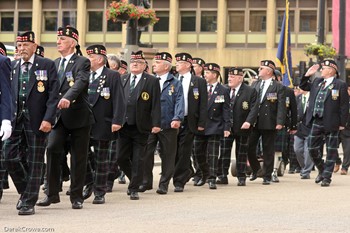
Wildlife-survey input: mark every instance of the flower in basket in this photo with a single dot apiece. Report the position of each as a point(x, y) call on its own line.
point(320, 50)
point(149, 14)
point(121, 11)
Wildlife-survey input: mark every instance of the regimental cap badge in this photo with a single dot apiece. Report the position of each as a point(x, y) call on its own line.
point(27, 36)
point(96, 49)
point(183, 57)
point(330, 63)
point(39, 51)
point(163, 56)
point(268, 63)
point(212, 67)
point(68, 31)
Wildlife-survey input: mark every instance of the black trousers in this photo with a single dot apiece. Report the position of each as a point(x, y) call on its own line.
point(79, 144)
point(268, 149)
point(183, 165)
point(132, 150)
point(167, 139)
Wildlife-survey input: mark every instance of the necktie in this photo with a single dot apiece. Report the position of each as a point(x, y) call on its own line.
point(132, 84)
point(261, 91)
point(233, 96)
point(92, 77)
point(304, 102)
point(25, 68)
point(181, 78)
point(61, 70)
point(210, 91)
point(323, 84)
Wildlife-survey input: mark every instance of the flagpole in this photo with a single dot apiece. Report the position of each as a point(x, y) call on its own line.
point(342, 28)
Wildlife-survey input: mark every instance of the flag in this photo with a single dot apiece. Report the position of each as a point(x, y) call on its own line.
point(335, 26)
point(284, 57)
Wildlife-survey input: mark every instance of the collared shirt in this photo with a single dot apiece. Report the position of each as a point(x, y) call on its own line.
point(267, 83)
point(162, 80)
point(138, 77)
point(186, 86)
point(68, 57)
point(236, 90)
point(213, 87)
point(328, 81)
point(31, 62)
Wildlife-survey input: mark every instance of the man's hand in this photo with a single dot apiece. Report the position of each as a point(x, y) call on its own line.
point(279, 127)
point(116, 127)
point(292, 131)
point(64, 103)
point(175, 124)
point(5, 130)
point(45, 126)
point(200, 128)
point(312, 70)
point(155, 130)
point(341, 127)
point(245, 125)
point(227, 133)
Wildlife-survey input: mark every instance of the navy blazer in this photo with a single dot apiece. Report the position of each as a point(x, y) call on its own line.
point(5, 88)
point(148, 112)
point(41, 104)
point(110, 109)
point(172, 102)
point(79, 114)
point(244, 109)
point(272, 109)
point(336, 106)
point(291, 105)
point(218, 119)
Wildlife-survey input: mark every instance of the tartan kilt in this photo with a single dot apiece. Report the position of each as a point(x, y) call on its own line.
point(281, 142)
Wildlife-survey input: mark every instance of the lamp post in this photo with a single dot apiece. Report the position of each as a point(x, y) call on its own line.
point(131, 35)
point(342, 28)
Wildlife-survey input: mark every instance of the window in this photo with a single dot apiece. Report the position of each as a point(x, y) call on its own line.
point(24, 21)
point(280, 20)
point(50, 21)
point(114, 26)
point(95, 21)
point(188, 21)
point(308, 21)
point(236, 21)
point(163, 23)
point(257, 21)
point(69, 18)
point(208, 21)
point(6, 21)
point(330, 21)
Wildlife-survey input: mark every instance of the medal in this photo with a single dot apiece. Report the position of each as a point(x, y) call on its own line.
point(41, 87)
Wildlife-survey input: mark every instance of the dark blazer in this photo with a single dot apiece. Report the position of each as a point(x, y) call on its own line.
point(336, 109)
point(302, 129)
point(218, 119)
point(291, 105)
point(41, 105)
point(79, 114)
point(272, 109)
point(148, 113)
point(5, 88)
point(197, 104)
point(107, 110)
point(245, 109)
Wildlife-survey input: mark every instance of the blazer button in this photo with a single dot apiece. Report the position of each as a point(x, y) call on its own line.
point(60, 93)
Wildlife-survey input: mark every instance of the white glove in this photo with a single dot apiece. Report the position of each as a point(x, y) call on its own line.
point(5, 130)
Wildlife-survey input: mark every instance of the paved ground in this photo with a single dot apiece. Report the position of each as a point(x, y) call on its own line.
point(293, 205)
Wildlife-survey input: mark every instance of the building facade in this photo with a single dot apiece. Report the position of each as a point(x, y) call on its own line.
point(228, 32)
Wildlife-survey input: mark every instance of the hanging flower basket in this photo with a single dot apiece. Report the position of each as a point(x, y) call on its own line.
point(143, 22)
point(320, 50)
point(121, 11)
point(146, 17)
point(123, 17)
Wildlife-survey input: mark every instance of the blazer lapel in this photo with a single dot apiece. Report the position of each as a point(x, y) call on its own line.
point(167, 82)
point(15, 77)
point(141, 84)
point(213, 95)
point(268, 90)
point(32, 76)
point(238, 94)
